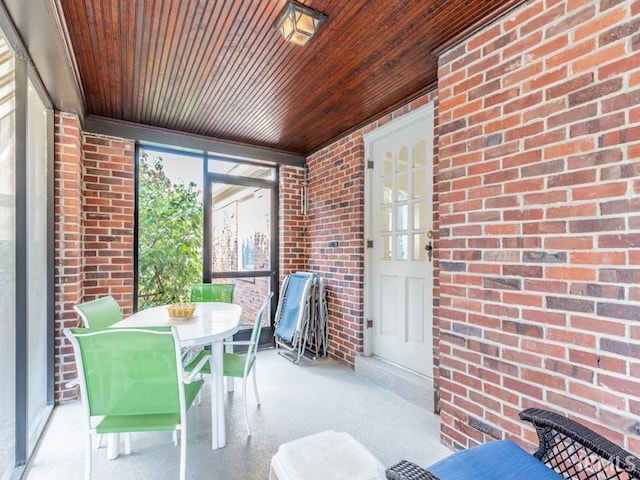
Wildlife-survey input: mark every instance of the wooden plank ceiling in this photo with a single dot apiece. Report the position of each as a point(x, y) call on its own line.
point(218, 68)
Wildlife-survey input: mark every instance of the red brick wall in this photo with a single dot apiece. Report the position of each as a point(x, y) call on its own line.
point(292, 223)
point(540, 231)
point(336, 213)
point(94, 202)
point(109, 202)
point(68, 243)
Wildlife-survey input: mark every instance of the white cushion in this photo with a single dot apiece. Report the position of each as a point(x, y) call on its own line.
point(326, 455)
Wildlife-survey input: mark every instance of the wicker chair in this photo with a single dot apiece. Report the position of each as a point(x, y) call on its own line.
point(570, 449)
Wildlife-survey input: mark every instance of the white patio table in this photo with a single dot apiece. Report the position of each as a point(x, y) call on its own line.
point(211, 324)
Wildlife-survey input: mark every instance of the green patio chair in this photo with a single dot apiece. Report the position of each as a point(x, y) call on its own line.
point(99, 313)
point(240, 365)
point(212, 292)
point(131, 380)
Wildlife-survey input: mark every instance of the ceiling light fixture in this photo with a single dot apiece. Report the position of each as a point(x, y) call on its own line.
point(298, 23)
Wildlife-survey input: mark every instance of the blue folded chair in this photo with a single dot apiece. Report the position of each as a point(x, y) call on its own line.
point(292, 315)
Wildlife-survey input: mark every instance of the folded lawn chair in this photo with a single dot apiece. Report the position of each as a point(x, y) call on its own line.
point(317, 334)
point(292, 315)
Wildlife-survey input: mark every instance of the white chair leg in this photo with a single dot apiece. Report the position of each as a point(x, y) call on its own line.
point(99, 440)
point(183, 450)
point(113, 446)
point(244, 405)
point(127, 443)
point(255, 385)
point(174, 437)
point(87, 460)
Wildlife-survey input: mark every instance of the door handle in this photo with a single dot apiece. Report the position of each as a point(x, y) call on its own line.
point(429, 248)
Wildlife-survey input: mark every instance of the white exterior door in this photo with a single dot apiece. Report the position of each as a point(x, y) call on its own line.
point(399, 280)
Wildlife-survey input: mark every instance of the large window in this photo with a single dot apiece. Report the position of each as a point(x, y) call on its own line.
point(170, 220)
point(26, 258)
point(38, 278)
point(7, 261)
point(202, 218)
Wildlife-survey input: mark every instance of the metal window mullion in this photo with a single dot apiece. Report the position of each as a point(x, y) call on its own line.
point(240, 181)
point(275, 248)
point(207, 220)
point(136, 222)
point(242, 274)
point(51, 252)
point(20, 112)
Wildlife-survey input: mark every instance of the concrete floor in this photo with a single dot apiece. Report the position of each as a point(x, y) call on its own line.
point(297, 400)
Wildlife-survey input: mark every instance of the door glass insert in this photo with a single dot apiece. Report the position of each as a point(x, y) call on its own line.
point(240, 228)
point(403, 203)
point(403, 160)
point(420, 155)
point(401, 250)
point(387, 220)
point(387, 165)
point(419, 184)
point(402, 216)
point(419, 216)
point(387, 190)
point(387, 250)
point(402, 191)
point(420, 240)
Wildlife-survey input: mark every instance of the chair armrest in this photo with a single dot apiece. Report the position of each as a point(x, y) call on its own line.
point(572, 449)
point(405, 470)
point(204, 360)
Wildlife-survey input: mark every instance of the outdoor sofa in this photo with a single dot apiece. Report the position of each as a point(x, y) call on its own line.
point(567, 450)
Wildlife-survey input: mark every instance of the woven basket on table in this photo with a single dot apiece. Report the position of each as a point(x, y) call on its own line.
point(181, 310)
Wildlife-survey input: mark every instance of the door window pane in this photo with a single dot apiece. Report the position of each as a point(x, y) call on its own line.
point(387, 220)
point(419, 216)
point(403, 160)
point(401, 250)
point(419, 183)
point(402, 216)
point(419, 243)
point(402, 192)
point(387, 165)
point(387, 251)
point(387, 191)
point(241, 228)
point(420, 154)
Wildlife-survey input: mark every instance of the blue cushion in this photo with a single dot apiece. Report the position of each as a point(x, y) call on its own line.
point(500, 460)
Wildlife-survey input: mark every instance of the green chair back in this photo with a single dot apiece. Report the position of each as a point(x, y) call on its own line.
point(129, 371)
point(99, 313)
point(212, 292)
point(131, 381)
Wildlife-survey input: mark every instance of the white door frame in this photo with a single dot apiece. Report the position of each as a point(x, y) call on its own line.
point(368, 139)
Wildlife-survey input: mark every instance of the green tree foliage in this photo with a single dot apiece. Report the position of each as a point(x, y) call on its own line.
point(169, 236)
